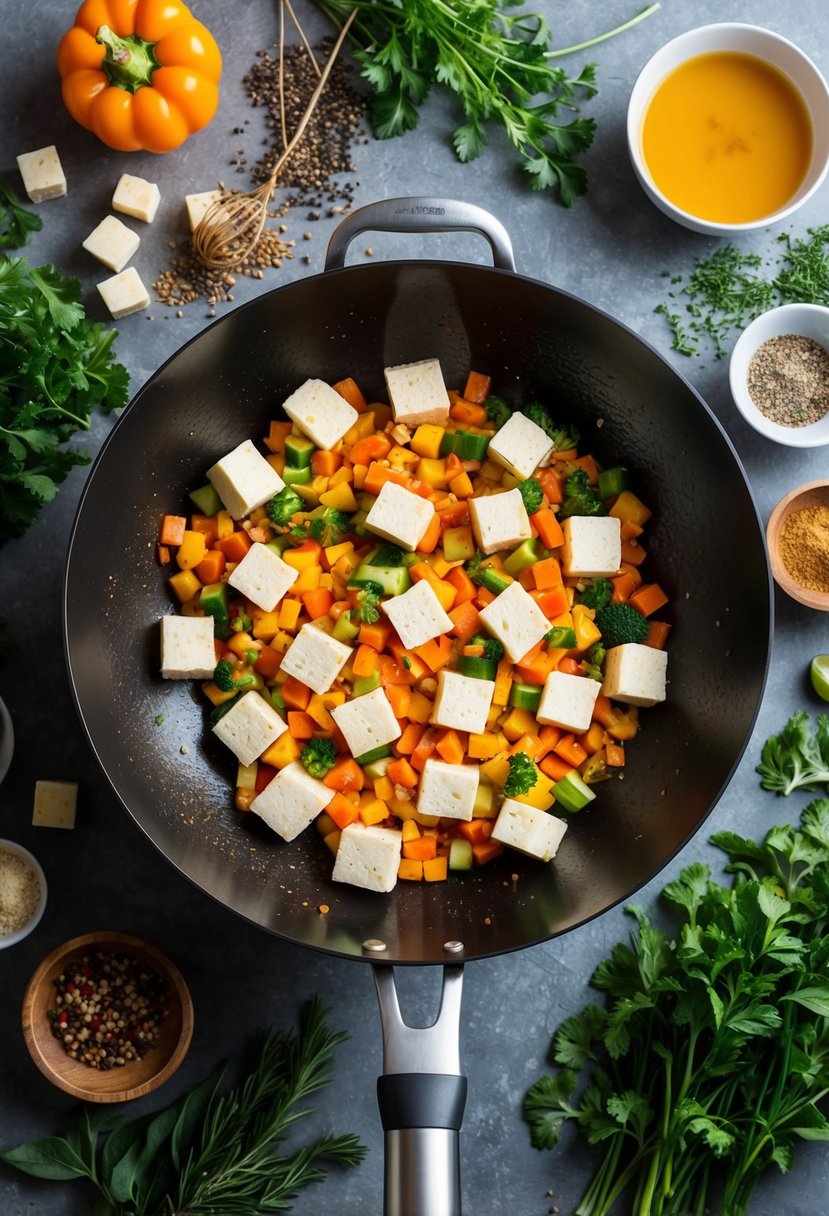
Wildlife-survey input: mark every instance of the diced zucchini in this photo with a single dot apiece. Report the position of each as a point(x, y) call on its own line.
point(213, 601)
point(376, 753)
point(393, 579)
point(364, 684)
point(484, 806)
point(527, 554)
point(465, 444)
point(377, 768)
point(460, 854)
point(562, 638)
point(280, 543)
point(492, 580)
point(344, 628)
point(385, 555)
point(612, 482)
point(206, 499)
point(477, 667)
point(571, 793)
point(298, 451)
point(294, 475)
point(525, 696)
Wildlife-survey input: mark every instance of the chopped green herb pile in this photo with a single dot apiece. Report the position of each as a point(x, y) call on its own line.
point(16, 223)
point(796, 758)
point(710, 1056)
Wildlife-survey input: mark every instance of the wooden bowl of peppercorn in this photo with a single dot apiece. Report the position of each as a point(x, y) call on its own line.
point(798, 540)
point(107, 1017)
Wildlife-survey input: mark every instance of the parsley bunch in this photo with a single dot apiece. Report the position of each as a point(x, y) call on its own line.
point(17, 223)
point(796, 758)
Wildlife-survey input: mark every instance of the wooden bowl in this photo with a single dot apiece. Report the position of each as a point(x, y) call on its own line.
point(133, 1079)
point(812, 494)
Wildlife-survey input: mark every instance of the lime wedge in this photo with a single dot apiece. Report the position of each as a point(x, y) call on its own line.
point(819, 672)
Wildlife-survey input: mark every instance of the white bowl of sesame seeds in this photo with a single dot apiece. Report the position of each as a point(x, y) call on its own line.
point(22, 893)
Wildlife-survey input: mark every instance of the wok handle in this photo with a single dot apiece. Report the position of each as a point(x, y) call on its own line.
point(421, 1096)
point(421, 214)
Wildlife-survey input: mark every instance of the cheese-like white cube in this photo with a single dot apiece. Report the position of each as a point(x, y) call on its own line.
point(320, 413)
point(368, 857)
point(244, 480)
point(462, 702)
point(263, 577)
point(516, 620)
point(635, 674)
point(367, 722)
point(315, 658)
point(137, 197)
point(417, 615)
point(42, 174)
point(448, 790)
point(249, 727)
point(530, 831)
point(55, 804)
point(592, 546)
point(417, 393)
point(520, 445)
point(400, 516)
point(292, 801)
point(124, 293)
point(197, 205)
point(568, 701)
point(187, 650)
point(499, 521)
point(112, 243)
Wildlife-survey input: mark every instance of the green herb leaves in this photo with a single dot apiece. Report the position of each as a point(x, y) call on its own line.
point(16, 223)
point(796, 758)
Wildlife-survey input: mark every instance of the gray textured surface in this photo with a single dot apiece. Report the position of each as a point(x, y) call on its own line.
point(610, 248)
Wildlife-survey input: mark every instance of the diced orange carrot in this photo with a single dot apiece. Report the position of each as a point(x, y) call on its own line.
point(206, 524)
point(349, 391)
point(548, 528)
point(401, 773)
point(453, 515)
point(477, 388)
point(235, 546)
point(483, 596)
point(364, 661)
point(570, 751)
point(435, 869)
point(569, 666)
point(549, 737)
point(267, 665)
point(550, 483)
point(630, 530)
point(342, 811)
point(553, 602)
point(300, 725)
point(465, 619)
point(295, 694)
point(615, 755)
point(454, 466)
point(475, 830)
point(410, 738)
point(392, 672)
point(486, 850)
point(464, 587)
point(171, 531)
point(372, 447)
point(546, 574)
point(424, 848)
point(633, 552)
point(554, 767)
point(344, 776)
point(399, 698)
point(657, 634)
point(593, 738)
point(529, 744)
point(468, 413)
point(603, 711)
point(536, 670)
point(648, 598)
point(325, 463)
point(425, 746)
point(450, 747)
point(309, 553)
point(431, 537)
point(375, 635)
point(278, 433)
point(435, 653)
point(623, 587)
point(162, 553)
point(317, 603)
point(212, 566)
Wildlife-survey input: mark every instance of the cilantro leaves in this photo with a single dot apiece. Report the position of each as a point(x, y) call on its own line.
point(16, 223)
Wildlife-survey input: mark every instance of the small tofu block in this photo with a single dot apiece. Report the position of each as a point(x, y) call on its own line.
point(417, 615)
point(320, 413)
point(263, 577)
point(187, 650)
point(244, 480)
point(124, 293)
point(249, 727)
point(592, 545)
point(516, 620)
point(499, 521)
point(520, 445)
point(197, 205)
point(400, 516)
point(137, 197)
point(315, 658)
point(367, 722)
point(568, 701)
point(530, 831)
point(417, 393)
point(448, 790)
point(55, 804)
point(42, 174)
point(292, 801)
point(635, 674)
point(462, 702)
point(112, 243)
point(368, 857)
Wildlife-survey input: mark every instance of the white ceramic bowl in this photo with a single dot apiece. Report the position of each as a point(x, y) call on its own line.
point(6, 739)
point(809, 320)
point(9, 846)
point(750, 40)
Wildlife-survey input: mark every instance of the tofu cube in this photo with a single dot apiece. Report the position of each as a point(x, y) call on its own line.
point(244, 480)
point(263, 577)
point(292, 801)
point(124, 293)
point(520, 445)
point(187, 650)
point(197, 205)
point(367, 722)
point(400, 516)
point(249, 727)
point(368, 857)
point(530, 831)
point(568, 701)
point(417, 393)
point(417, 615)
point(137, 197)
point(499, 521)
point(320, 413)
point(635, 674)
point(55, 804)
point(592, 545)
point(112, 243)
point(315, 658)
point(516, 620)
point(448, 790)
point(42, 174)
point(462, 702)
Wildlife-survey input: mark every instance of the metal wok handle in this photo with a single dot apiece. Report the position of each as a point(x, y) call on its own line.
point(421, 214)
point(421, 1096)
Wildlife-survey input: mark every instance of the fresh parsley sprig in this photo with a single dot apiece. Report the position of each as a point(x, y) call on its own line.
point(16, 222)
point(796, 758)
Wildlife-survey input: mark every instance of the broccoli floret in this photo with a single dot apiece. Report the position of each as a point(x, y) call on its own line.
point(522, 775)
point(532, 495)
point(226, 678)
point(283, 505)
point(491, 646)
point(619, 624)
point(564, 437)
point(593, 663)
point(598, 594)
point(581, 498)
point(328, 527)
point(318, 756)
point(497, 410)
point(369, 598)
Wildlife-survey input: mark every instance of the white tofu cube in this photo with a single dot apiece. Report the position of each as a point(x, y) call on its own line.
point(499, 521)
point(292, 801)
point(244, 480)
point(137, 197)
point(368, 857)
point(400, 516)
point(530, 831)
point(112, 243)
point(568, 701)
point(448, 790)
point(320, 413)
point(249, 727)
point(55, 804)
point(197, 205)
point(315, 658)
point(367, 722)
point(592, 546)
point(187, 650)
point(635, 674)
point(462, 702)
point(417, 615)
point(263, 577)
point(516, 620)
point(417, 393)
point(520, 445)
point(42, 174)
point(124, 293)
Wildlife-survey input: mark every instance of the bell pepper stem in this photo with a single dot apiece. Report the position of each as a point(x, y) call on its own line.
point(129, 62)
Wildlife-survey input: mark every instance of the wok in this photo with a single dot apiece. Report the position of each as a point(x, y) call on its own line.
point(705, 545)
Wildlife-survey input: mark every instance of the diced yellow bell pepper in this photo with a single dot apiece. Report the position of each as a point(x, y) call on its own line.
point(409, 870)
point(485, 746)
point(299, 559)
point(246, 776)
point(564, 621)
point(374, 812)
point(238, 643)
point(496, 770)
point(345, 566)
point(283, 752)
point(289, 611)
point(333, 840)
point(277, 462)
point(334, 552)
point(340, 497)
point(401, 458)
point(383, 788)
point(433, 472)
point(224, 525)
point(435, 869)
point(420, 708)
point(541, 795)
point(193, 607)
point(185, 584)
point(427, 439)
point(215, 695)
point(364, 425)
point(630, 509)
point(266, 626)
point(410, 831)
point(343, 474)
point(519, 722)
point(308, 580)
point(586, 631)
point(493, 714)
point(461, 485)
point(360, 471)
point(491, 470)
point(282, 640)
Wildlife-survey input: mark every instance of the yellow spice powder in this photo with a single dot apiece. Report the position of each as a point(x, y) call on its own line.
point(804, 547)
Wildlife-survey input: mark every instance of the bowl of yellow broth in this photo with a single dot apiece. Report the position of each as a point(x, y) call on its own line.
point(728, 128)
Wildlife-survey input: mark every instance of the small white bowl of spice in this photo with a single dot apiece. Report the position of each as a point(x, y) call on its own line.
point(22, 893)
point(779, 375)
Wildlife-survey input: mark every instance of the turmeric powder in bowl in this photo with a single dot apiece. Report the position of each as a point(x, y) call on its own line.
point(804, 547)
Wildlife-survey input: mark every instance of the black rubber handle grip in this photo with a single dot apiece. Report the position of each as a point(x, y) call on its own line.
point(421, 1099)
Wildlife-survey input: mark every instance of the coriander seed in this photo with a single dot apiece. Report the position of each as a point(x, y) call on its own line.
point(788, 380)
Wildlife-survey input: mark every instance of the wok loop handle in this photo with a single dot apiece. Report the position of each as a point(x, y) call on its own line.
point(421, 1096)
point(421, 214)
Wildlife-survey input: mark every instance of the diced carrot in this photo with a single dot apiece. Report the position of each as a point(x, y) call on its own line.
point(338, 608)
point(461, 485)
point(465, 619)
point(657, 634)
point(546, 574)
point(453, 515)
point(450, 747)
point(410, 738)
point(537, 669)
point(548, 528)
point(409, 870)
point(454, 466)
point(342, 811)
point(554, 767)
point(401, 773)
point(569, 666)
point(435, 653)
point(623, 587)
point(317, 603)
point(422, 849)
point(325, 463)
point(633, 552)
point(344, 776)
point(486, 850)
point(529, 744)
point(550, 483)
point(477, 388)
point(603, 711)
point(392, 672)
point(431, 537)
point(375, 635)
point(648, 598)
point(588, 465)
point(464, 587)
point(468, 413)
point(549, 737)
point(483, 596)
point(435, 869)
point(267, 665)
point(553, 602)
point(300, 725)
point(425, 746)
point(364, 661)
point(399, 698)
point(212, 566)
point(171, 531)
point(630, 530)
point(309, 553)
point(295, 694)
point(349, 391)
point(235, 546)
point(162, 553)
point(475, 830)
point(265, 774)
point(570, 750)
point(593, 738)
point(206, 524)
point(615, 755)
point(372, 447)
point(278, 433)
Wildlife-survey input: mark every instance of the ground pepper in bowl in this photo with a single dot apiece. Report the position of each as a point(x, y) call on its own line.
point(804, 547)
point(788, 380)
